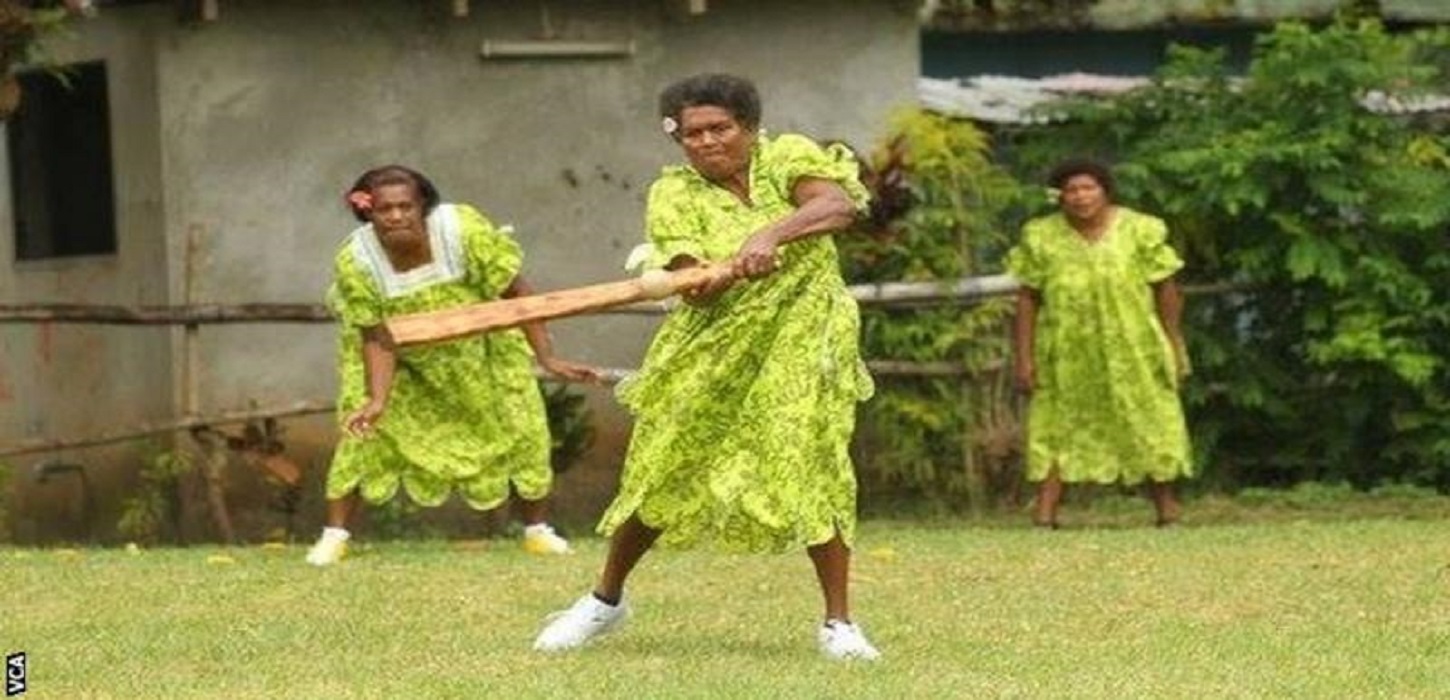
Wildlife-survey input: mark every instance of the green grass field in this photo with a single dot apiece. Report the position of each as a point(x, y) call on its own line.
point(1278, 602)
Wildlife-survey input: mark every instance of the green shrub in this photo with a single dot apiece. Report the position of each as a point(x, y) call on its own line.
point(155, 505)
point(570, 426)
point(1327, 360)
point(945, 439)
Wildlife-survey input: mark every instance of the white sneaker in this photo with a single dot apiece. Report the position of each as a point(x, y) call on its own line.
point(588, 618)
point(541, 539)
point(843, 641)
point(330, 547)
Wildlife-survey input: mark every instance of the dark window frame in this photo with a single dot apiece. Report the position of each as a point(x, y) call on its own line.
point(62, 179)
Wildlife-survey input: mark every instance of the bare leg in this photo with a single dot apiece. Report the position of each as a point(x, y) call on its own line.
point(626, 548)
point(833, 570)
point(1164, 502)
point(332, 544)
point(533, 512)
point(1049, 495)
point(340, 510)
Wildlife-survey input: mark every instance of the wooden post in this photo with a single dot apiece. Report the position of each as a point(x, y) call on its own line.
point(213, 469)
point(460, 8)
point(214, 454)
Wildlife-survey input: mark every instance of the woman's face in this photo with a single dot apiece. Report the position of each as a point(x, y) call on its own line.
point(1083, 197)
point(714, 142)
point(397, 210)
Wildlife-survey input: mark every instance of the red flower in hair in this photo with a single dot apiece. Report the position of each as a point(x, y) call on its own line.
point(360, 200)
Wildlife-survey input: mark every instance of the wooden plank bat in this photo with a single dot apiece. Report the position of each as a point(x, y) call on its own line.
point(437, 326)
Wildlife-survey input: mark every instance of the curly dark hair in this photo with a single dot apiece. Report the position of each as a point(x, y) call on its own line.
point(394, 175)
point(1072, 167)
point(732, 93)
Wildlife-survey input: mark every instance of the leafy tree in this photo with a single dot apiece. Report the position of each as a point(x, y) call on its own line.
point(940, 199)
point(1303, 185)
point(23, 27)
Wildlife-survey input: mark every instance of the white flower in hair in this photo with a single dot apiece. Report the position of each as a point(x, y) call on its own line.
point(670, 125)
point(639, 256)
point(1054, 195)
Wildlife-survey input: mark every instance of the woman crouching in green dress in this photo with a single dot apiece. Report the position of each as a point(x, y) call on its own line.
point(746, 399)
point(466, 415)
point(1099, 347)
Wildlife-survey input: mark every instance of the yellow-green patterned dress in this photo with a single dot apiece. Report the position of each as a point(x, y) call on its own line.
point(465, 415)
point(1106, 406)
point(744, 408)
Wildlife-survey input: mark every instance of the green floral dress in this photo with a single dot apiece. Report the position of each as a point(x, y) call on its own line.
point(744, 408)
point(465, 415)
point(1106, 407)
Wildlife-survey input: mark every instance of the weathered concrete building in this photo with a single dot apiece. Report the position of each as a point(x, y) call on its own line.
point(233, 132)
point(230, 132)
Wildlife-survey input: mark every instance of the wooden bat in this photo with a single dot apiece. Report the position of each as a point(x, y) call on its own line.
point(437, 326)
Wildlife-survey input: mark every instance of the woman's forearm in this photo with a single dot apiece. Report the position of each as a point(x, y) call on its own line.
point(539, 341)
point(822, 206)
point(1024, 326)
point(1168, 300)
point(379, 362)
point(535, 332)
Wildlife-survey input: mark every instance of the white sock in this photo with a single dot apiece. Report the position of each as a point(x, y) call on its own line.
point(335, 533)
point(538, 529)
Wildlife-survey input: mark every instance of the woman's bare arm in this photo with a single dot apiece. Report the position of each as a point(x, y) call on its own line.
point(1024, 335)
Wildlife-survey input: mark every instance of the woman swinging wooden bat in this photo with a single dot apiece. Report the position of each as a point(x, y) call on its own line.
point(746, 400)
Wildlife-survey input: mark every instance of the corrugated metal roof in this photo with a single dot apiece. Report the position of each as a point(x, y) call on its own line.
point(1002, 99)
point(1127, 14)
point(1417, 10)
point(1386, 103)
point(1016, 15)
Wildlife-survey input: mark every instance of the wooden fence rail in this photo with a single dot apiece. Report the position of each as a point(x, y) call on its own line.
point(307, 408)
point(965, 290)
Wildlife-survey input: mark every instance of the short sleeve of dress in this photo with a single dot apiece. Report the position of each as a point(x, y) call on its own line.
point(1026, 261)
point(1154, 259)
point(353, 297)
point(793, 157)
point(672, 228)
point(493, 257)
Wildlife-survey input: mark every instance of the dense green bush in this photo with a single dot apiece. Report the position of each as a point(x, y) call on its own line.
point(1329, 214)
point(570, 429)
point(952, 440)
point(155, 507)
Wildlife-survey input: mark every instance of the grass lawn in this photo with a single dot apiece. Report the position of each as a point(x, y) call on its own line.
point(1233, 605)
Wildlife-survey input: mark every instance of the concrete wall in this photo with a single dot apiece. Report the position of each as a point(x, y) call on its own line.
point(267, 114)
point(58, 380)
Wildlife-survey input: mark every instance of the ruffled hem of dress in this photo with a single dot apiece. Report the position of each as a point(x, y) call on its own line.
point(1123, 479)
point(677, 535)
point(380, 490)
